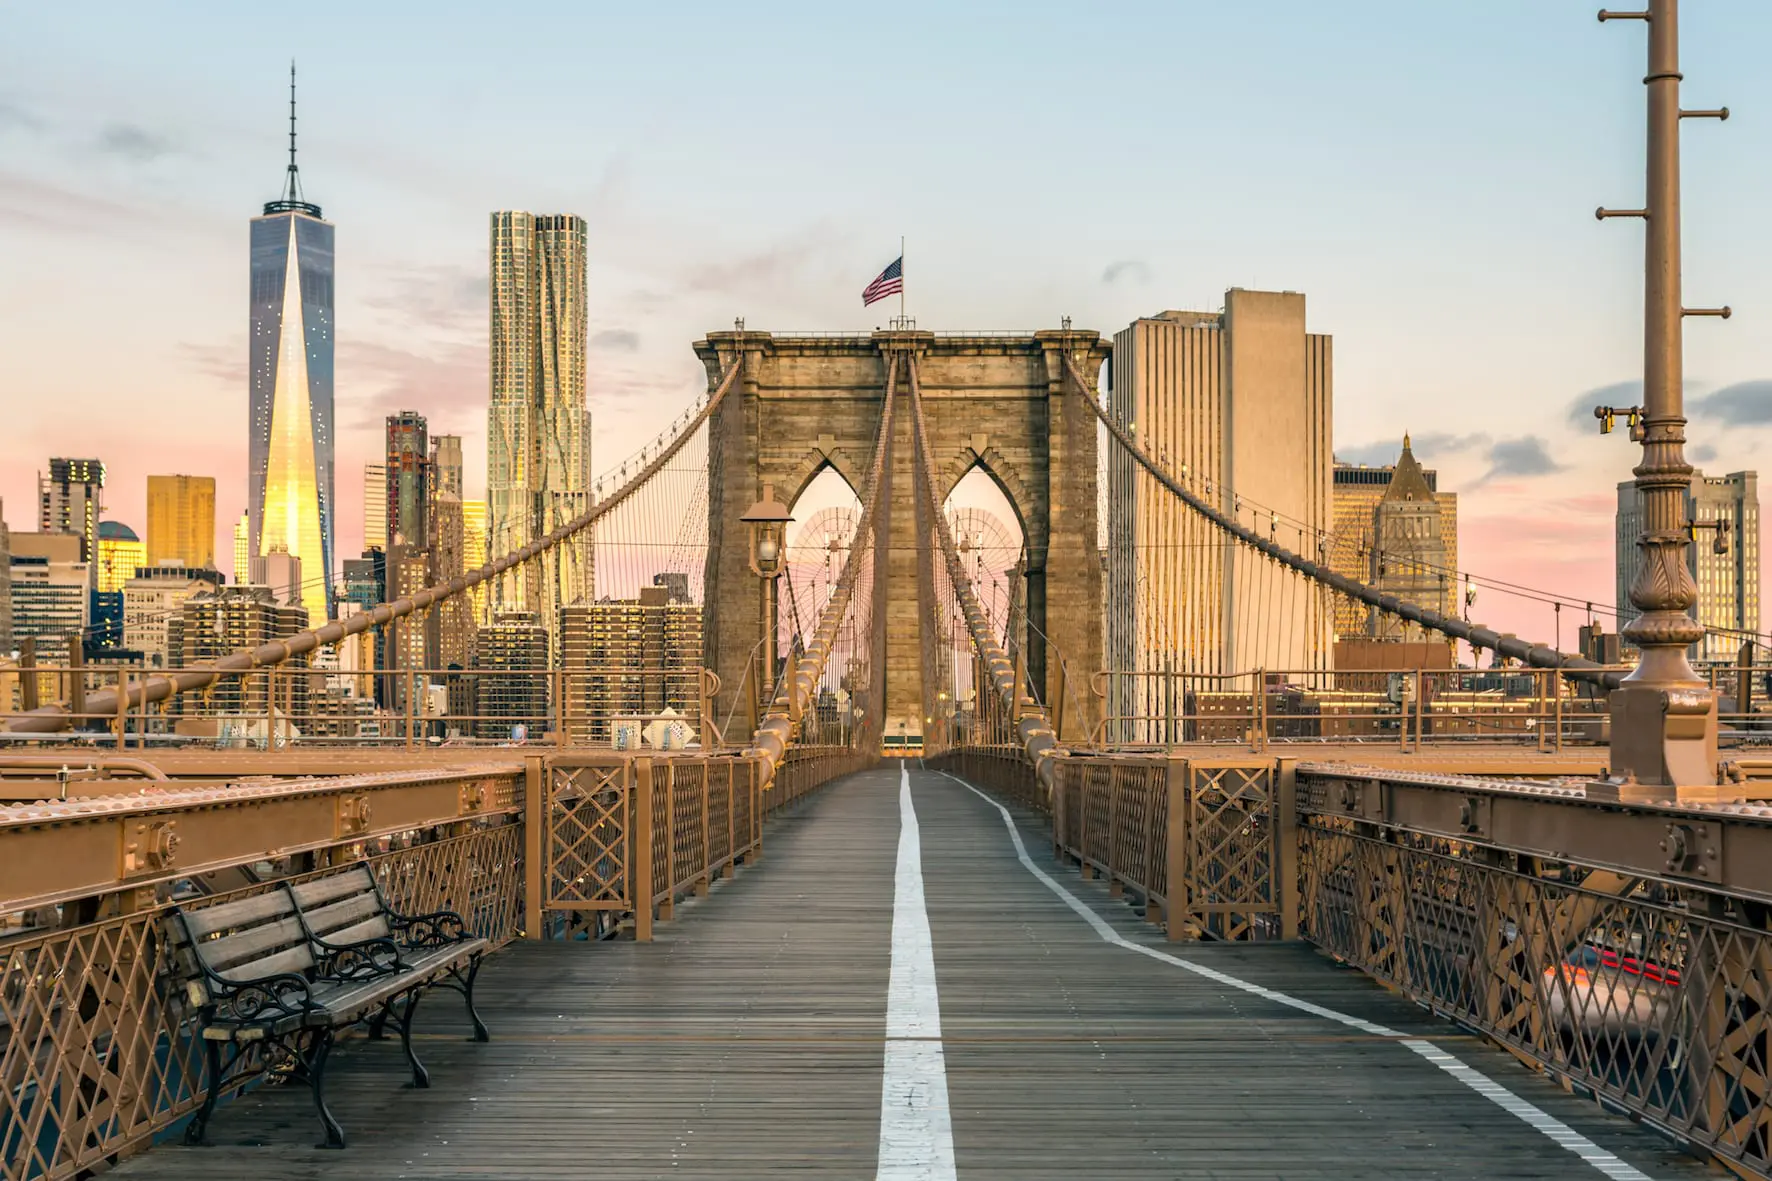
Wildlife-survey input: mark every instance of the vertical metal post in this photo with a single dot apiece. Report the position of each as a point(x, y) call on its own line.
point(77, 679)
point(537, 821)
point(1283, 799)
point(408, 696)
point(638, 777)
point(667, 906)
point(1744, 679)
point(27, 673)
point(123, 710)
point(561, 728)
point(1420, 705)
point(1175, 849)
point(1664, 718)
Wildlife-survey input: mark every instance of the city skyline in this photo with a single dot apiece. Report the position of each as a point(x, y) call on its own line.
point(1423, 285)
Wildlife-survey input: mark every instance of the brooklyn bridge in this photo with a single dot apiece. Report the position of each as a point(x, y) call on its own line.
point(935, 865)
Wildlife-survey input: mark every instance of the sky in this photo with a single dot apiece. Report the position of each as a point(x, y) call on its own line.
point(1426, 173)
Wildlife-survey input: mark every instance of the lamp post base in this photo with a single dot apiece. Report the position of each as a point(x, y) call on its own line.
point(1664, 747)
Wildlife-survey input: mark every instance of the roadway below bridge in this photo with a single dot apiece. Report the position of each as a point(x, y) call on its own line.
point(899, 990)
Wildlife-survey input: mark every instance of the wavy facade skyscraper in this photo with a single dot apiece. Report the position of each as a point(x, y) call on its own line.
point(538, 437)
point(290, 492)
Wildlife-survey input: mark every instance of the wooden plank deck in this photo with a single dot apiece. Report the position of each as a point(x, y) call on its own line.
point(747, 1042)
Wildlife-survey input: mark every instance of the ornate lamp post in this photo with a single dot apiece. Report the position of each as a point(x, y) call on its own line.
point(1664, 717)
point(768, 520)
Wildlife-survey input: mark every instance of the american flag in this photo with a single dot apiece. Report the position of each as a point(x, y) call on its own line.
point(890, 282)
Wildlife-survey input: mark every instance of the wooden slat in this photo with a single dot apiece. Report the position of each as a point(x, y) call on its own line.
point(343, 913)
point(206, 920)
point(319, 891)
point(238, 951)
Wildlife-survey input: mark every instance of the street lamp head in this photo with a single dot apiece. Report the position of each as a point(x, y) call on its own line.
point(767, 520)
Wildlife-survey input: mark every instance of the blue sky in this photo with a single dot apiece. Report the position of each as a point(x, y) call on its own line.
point(1426, 172)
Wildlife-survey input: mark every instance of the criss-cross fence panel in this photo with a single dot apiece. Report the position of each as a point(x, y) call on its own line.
point(589, 849)
point(1654, 996)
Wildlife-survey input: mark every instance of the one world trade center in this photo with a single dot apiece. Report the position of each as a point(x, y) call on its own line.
point(290, 501)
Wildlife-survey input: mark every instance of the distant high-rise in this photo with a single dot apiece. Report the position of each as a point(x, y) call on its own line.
point(120, 553)
point(656, 636)
point(1237, 404)
point(1729, 581)
point(375, 506)
point(473, 548)
point(71, 500)
point(181, 521)
point(408, 461)
point(51, 599)
point(151, 600)
point(513, 649)
point(242, 548)
point(281, 574)
point(1359, 489)
point(537, 449)
point(212, 624)
point(290, 500)
point(453, 617)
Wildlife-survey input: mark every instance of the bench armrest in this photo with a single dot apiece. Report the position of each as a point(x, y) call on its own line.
point(285, 994)
point(440, 928)
point(364, 960)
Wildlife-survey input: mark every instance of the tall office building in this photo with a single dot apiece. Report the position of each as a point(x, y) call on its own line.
point(243, 548)
point(281, 574)
point(213, 624)
point(375, 506)
point(629, 657)
point(71, 500)
point(290, 496)
point(536, 464)
point(51, 599)
point(1238, 405)
point(408, 460)
point(511, 654)
point(473, 548)
point(152, 599)
point(181, 521)
point(453, 618)
point(1728, 581)
point(120, 553)
point(1359, 489)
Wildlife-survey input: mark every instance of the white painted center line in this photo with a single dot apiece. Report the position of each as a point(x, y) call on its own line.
point(916, 1130)
point(1536, 1117)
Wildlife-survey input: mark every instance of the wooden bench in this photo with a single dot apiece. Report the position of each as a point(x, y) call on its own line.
point(277, 975)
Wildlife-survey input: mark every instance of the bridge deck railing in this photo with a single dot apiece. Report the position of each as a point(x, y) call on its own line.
point(1624, 948)
point(97, 1053)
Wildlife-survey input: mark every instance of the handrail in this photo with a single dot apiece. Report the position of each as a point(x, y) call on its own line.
point(56, 717)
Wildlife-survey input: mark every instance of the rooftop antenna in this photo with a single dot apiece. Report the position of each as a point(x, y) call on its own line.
point(291, 200)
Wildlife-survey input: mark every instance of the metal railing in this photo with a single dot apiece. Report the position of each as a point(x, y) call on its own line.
point(97, 1047)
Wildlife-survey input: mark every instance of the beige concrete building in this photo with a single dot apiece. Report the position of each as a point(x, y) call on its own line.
point(151, 600)
point(51, 599)
point(629, 657)
point(537, 444)
point(1359, 488)
point(1238, 404)
point(213, 624)
point(181, 521)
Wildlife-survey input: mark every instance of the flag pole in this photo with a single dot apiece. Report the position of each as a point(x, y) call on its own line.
point(901, 276)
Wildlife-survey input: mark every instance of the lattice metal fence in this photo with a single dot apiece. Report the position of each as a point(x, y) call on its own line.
point(97, 1054)
point(1653, 996)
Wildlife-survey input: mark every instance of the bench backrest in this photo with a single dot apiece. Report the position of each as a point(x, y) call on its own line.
point(343, 908)
point(239, 941)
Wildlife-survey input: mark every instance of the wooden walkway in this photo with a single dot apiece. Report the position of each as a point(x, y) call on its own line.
point(748, 1042)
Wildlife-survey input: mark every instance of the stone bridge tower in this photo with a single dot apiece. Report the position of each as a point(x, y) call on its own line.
point(1000, 402)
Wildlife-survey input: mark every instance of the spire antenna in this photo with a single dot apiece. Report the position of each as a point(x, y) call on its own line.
point(291, 200)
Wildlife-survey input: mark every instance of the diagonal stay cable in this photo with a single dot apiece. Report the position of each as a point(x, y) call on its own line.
point(1036, 734)
point(794, 693)
point(159, 688)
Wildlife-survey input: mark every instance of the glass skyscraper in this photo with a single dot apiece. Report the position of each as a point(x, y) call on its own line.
point(291, 498)
point(538, 441)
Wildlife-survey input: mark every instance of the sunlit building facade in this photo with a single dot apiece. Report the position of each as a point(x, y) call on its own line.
point(537, 441)
point(1359, 490)
point(290, 493)
point(120, 554)
point(181, 521)
point(1724, 558)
